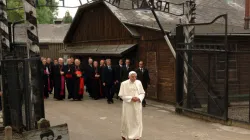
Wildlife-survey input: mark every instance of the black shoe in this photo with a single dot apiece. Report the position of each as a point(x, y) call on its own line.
point(109, 102)
point(112, 101)
point(143, 105)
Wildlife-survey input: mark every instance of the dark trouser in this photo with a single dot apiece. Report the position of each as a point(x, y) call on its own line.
point(0, 103)
point(117, 88)
point(70, 86)
point(45, 89)
point(144, 100)
point(103, 91)
point(96, 88)
point(109, 92)
point(51, 85)
point(88, 86)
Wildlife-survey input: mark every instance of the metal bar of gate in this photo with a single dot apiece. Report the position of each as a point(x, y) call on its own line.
point(208, 83)
point(226, 73)
point(201, 113)
point(201, 83)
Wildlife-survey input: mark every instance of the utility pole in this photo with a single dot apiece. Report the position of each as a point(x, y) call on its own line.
point(189, 38)
point(4, 43)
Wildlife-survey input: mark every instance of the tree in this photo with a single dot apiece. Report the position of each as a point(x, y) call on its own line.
point(67, 18)
point(44, 14)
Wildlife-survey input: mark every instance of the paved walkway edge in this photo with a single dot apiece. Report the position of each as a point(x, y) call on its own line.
point(171, 108)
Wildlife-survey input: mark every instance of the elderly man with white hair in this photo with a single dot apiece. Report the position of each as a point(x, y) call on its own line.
point(132, 94)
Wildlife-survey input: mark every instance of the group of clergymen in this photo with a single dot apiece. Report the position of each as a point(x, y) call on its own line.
point(102, 80)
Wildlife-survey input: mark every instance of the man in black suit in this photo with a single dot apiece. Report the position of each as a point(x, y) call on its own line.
point(108, 80)
point(143, 76)
point(125, 70)
point(89, 72)
point(102, 66)
point(51, 67)
point(118, 77)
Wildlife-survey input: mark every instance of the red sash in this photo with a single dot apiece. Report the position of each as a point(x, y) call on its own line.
point(81, 87)
point(81, 82)
point(68, 76)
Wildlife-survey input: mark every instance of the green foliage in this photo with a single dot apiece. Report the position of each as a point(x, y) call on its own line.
point(14, 15)
point(44, 14)
point(67, 18)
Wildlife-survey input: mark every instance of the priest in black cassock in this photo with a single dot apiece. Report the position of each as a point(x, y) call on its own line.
point(59, 80)
point(46, 79)
point(69, 73)
point(78, 81)
point(89, 70)
point(102, 66)
point(96, 82)
point(50, 66)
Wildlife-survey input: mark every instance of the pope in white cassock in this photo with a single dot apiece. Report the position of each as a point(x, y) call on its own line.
point(132, 94)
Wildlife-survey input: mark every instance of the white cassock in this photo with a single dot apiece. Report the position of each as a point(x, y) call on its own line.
point(131, 127)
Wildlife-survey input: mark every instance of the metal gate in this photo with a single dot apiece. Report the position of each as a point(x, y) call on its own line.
point(204, 89)
point(23, 100)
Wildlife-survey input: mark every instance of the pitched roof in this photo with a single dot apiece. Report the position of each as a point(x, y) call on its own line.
point(99, 50)
point(78, 16)
point(206, 11)
point(47, 33)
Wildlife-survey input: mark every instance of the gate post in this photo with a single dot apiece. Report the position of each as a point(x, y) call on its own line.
point(4, 42)
point(43, 123)
point(31, 26)
point(226, 96)
point(189, 38)
point(179, 81)
point(179, 69)
point(8, 133)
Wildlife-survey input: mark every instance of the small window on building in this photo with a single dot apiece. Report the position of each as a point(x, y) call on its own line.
point(232, 67)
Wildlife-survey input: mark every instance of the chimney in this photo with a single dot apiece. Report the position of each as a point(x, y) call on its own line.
point(247, 14)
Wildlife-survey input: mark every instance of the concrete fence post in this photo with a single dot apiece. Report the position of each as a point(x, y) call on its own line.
point(43, 123)
point(8, 133)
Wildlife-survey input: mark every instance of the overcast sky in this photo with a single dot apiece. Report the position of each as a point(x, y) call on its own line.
point(70, 3)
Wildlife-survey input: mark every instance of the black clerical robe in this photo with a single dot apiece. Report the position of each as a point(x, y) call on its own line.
point(96, 84)
point(59, 80)
point(46, 81)
point(51, 77)
point(69, 76)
